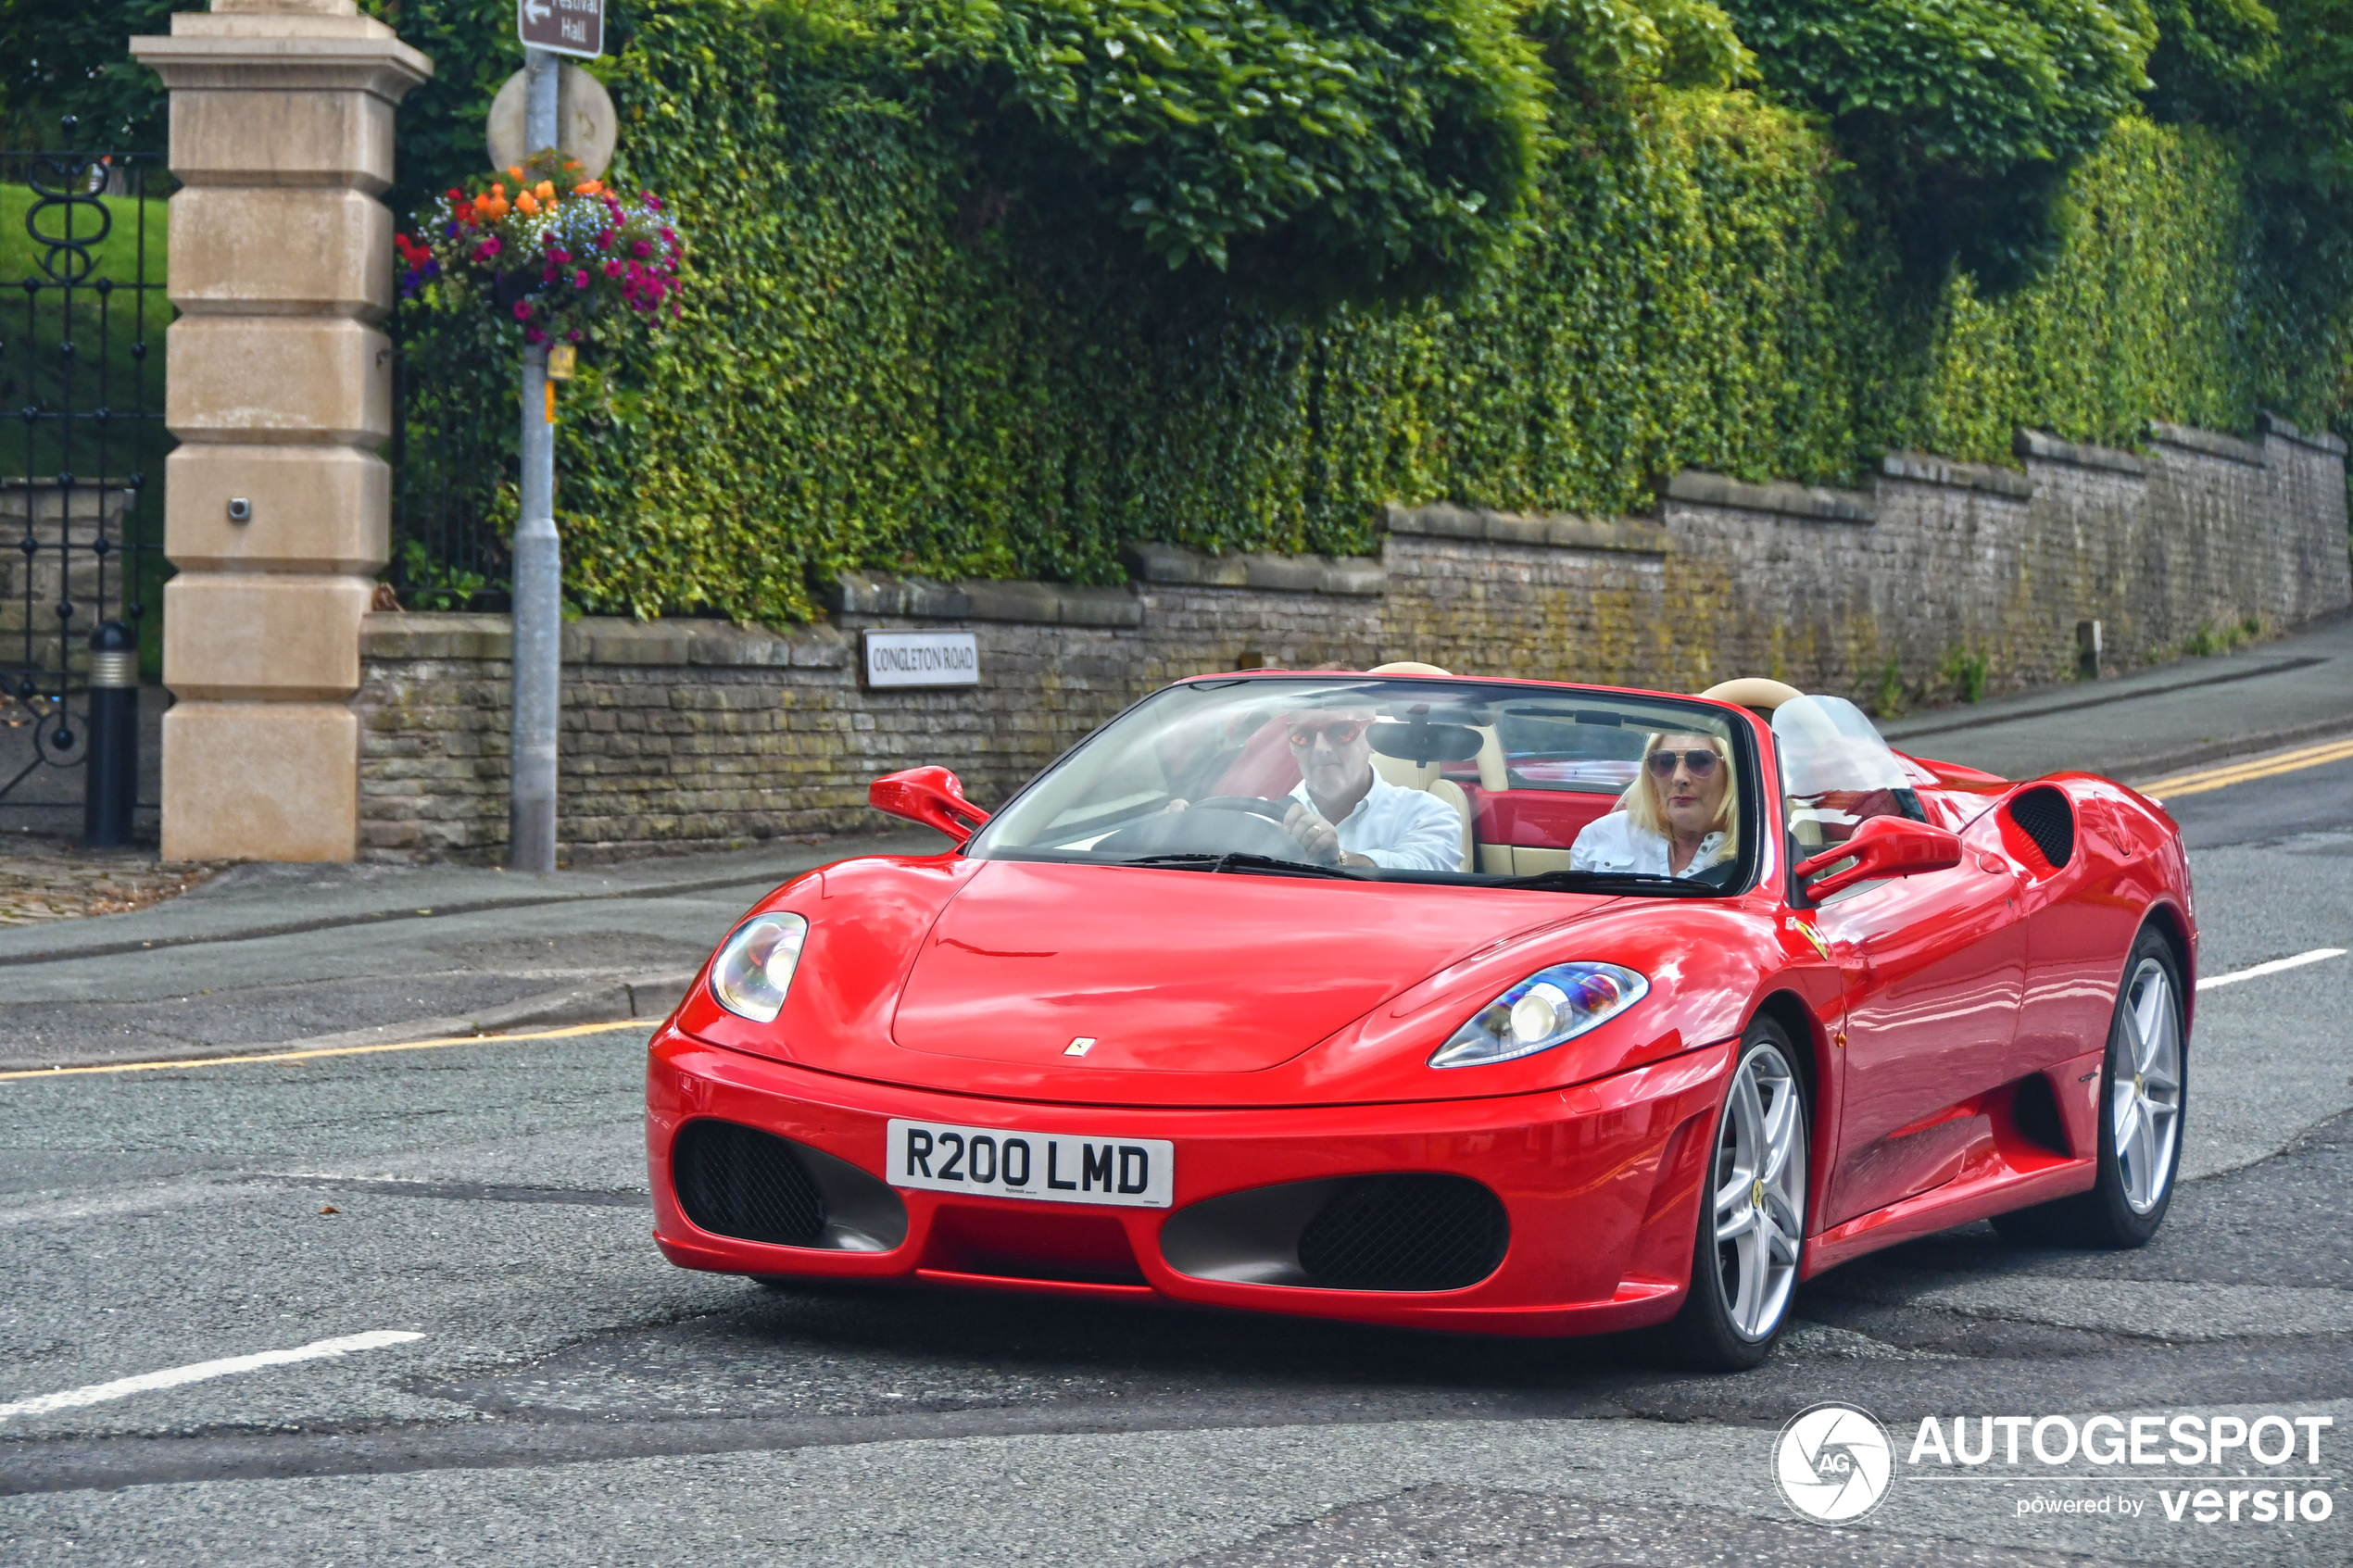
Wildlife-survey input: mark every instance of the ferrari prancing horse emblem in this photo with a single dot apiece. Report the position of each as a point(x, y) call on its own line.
point(1805, 929)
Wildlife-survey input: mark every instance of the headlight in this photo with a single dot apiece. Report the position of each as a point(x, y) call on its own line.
point(754, 968)
point(1550, 1006)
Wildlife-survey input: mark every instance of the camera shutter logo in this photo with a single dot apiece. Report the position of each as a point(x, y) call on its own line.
point(1833, 1462)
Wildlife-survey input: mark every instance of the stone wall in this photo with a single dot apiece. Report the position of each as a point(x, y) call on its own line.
point(697, 733)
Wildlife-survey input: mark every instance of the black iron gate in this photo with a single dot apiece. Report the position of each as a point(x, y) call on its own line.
point(82, 446)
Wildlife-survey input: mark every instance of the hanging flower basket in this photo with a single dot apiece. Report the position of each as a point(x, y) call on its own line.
point(550, 256)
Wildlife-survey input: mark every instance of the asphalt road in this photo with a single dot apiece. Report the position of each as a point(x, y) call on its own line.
point(571, 1398)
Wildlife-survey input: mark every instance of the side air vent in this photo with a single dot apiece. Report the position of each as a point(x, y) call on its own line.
point(1406, 1233)
point(739, 1181)
point(2049, 820)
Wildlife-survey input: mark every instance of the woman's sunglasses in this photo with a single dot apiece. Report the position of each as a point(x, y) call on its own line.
point(1338, 731)
point(1701, 763)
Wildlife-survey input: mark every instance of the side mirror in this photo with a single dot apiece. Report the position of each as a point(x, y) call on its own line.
point(932, 796)
point(1882, 847)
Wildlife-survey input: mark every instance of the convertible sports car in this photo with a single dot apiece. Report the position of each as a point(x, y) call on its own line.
point(1497, 1005)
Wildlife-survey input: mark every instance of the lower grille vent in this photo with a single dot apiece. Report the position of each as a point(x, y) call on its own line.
point(739, 1181)
point(1406, 1233)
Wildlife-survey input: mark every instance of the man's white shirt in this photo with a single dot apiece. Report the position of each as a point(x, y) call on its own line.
point(1402, 828)
point(1613, 843)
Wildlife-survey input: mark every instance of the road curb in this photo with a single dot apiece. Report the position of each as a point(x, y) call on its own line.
point(647, 996)
point(2157, 765)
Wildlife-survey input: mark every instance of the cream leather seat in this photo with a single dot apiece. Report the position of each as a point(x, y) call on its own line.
point(1408, 774)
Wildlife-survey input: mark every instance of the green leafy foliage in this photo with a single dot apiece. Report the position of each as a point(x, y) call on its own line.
point(1967, 115)
point(1602, 47)
point(1358, 147)
point(871, 372)
point(72, 58)
point(2209, 52)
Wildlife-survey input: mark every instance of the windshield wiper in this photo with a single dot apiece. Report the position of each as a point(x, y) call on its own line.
point(1197, 860)
point(1613, 882)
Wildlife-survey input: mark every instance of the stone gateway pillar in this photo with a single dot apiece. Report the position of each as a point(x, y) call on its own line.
point(279, 386)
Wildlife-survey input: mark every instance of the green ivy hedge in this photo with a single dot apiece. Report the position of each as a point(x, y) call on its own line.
point(882, 364)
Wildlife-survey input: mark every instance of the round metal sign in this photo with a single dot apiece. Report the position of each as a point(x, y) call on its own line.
point(587, 127)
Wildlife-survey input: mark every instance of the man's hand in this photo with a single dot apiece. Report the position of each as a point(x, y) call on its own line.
point(1317, 837)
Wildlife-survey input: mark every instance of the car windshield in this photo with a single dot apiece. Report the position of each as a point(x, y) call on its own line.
point(1836, 772)
point(1400, 779)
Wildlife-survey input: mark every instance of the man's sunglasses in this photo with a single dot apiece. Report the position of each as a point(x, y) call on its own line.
point(1701, 763)
point(1338, 731)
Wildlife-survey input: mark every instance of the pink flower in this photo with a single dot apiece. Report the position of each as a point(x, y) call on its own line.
point(523, 310)
point(580, 278)
point(559, 256)
point(535, 335)
point(612, 269)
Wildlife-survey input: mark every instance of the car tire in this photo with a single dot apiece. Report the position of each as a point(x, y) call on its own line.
point(1751, 1240)
point(2147, 1043)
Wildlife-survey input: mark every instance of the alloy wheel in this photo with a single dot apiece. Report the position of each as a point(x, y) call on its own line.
point(2145, 1093)
point(1760, 1183)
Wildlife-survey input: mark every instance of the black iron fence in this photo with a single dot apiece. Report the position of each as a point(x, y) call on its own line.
point(83, 312)
point(453, 453)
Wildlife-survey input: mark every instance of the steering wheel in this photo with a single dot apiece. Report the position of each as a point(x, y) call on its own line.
point(1223, 825)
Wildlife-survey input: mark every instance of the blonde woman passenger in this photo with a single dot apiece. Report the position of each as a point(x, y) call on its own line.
point(1679, 818)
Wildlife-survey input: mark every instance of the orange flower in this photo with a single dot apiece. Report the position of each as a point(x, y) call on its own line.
point(514, 172)
point(589, 188)
point(526, 205)
point(545, 190)
point(497, 190)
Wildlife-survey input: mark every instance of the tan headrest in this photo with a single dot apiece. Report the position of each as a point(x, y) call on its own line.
point(1407, 667)
point(1753, 692)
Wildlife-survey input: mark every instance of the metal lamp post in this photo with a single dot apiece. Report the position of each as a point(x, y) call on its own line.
point(538, 561)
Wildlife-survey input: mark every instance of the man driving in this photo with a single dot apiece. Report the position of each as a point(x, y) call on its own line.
point(1344, 813)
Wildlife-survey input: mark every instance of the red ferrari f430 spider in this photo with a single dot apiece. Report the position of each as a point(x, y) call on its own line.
point(1489, 1006)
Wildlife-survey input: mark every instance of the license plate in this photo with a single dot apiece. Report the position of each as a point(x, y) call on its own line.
point(1054, 1168)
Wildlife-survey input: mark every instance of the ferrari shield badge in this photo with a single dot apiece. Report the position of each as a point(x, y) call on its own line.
point(1805, 929)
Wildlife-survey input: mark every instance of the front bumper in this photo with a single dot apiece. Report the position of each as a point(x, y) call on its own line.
point(1599, 1184)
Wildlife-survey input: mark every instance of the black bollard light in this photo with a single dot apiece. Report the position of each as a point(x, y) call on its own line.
point(110, 788)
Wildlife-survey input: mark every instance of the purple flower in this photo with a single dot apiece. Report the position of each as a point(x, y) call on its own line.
point(572, 336)
point(535, 335)
point(408, 279)
point(449, 230)
point(641, 250)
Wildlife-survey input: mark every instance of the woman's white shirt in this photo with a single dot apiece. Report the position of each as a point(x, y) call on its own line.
point(1613, 843)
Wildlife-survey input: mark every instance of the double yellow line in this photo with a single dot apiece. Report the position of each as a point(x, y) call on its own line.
point(2247, 771)
point(565, 1033)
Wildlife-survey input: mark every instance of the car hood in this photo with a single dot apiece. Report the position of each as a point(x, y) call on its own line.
point(1211, 989)
point(1173, 971)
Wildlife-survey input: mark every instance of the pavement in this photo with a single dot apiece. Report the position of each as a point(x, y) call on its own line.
point(2257, 698)
point(544, 1388)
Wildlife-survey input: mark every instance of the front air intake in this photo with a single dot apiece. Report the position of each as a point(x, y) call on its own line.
point(2049, 820)
point(1406, 1233)
point(739, 1181)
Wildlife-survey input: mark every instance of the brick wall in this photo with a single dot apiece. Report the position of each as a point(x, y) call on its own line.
point(699, 734)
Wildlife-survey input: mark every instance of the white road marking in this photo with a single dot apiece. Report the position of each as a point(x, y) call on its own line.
point(171, 1377)
point(2274, 967)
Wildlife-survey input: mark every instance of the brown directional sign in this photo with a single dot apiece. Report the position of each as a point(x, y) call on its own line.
point(562, 27)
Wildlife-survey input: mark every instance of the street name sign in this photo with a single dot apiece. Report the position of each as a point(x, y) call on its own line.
point(922, 659)
point(562, 27)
